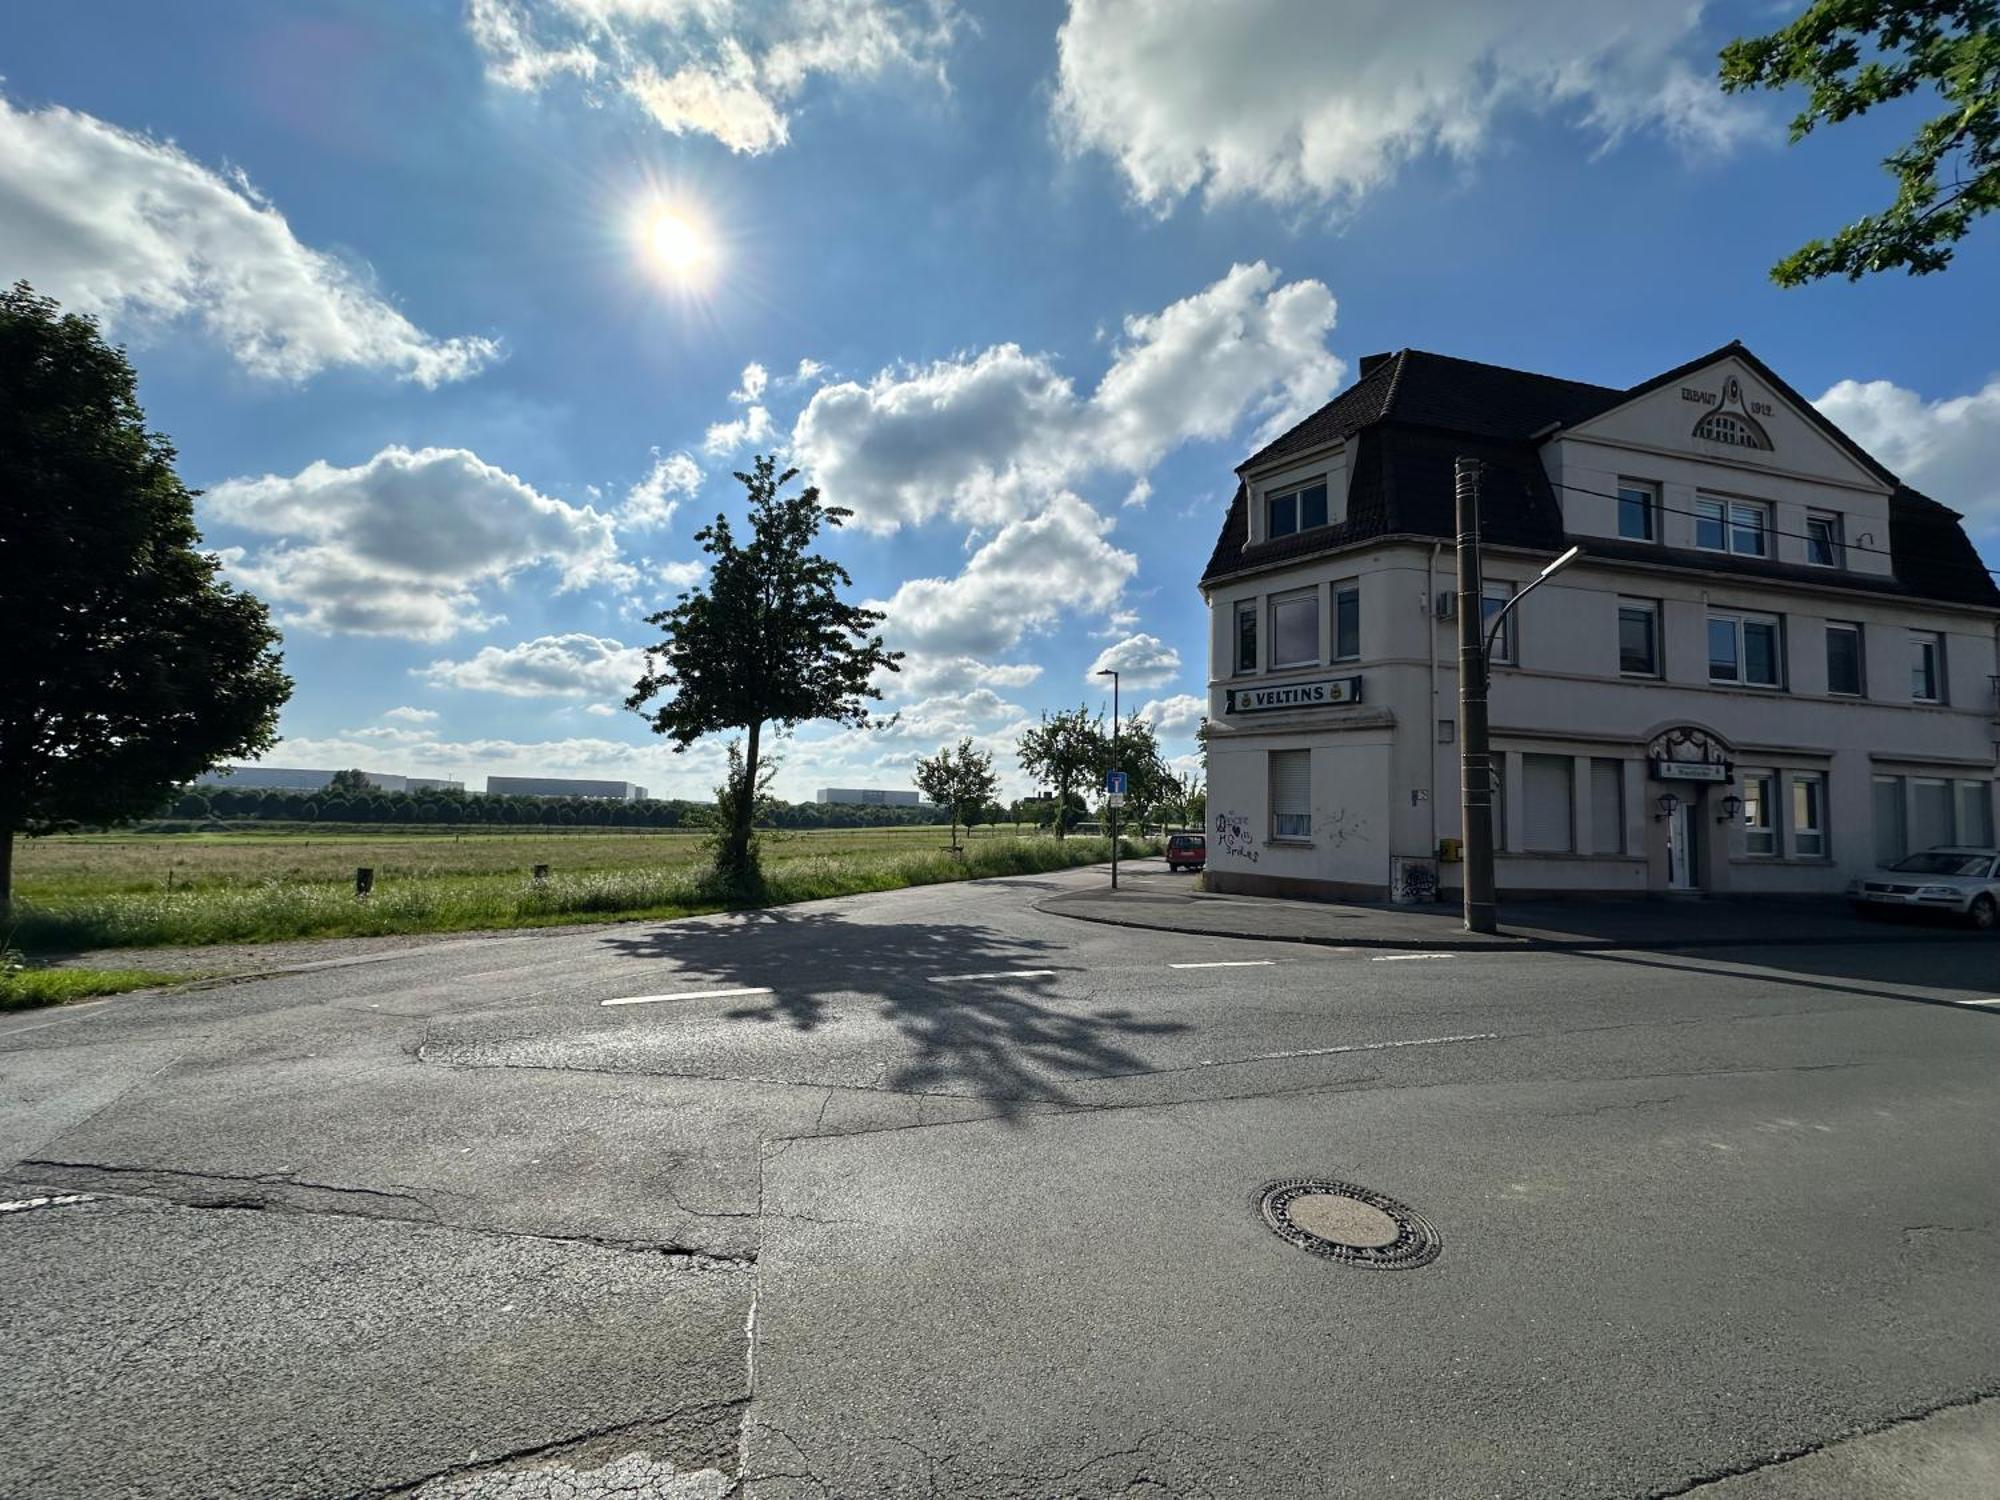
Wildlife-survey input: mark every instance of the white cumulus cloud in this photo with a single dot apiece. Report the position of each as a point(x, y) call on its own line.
point(1177, 717)
point(1305, 102)
point(1949, 449)
point(986, 437)
point(651, 502)
point(409, 715)
point(1141, 661)
point(139, 233)
point(402, 544)
point(550, 666)
point(729, 69)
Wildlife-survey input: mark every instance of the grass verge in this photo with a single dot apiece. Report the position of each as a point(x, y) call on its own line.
point(277, 909)
point(27, 989)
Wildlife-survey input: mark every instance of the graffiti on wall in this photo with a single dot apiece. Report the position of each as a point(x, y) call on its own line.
point(1233, 837)
point(1413, 881)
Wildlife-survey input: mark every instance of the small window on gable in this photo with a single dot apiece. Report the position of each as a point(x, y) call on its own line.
point(1737, 432)
point(1301, 508)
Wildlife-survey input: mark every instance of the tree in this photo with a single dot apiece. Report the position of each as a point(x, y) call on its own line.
point(1147, 775)
point(767, 640)
point(961, 781)
point(1066, 752)
point(128, 667)
point(348, 781)
point(1852, 55)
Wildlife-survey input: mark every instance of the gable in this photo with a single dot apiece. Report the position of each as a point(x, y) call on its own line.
point(1731, 410)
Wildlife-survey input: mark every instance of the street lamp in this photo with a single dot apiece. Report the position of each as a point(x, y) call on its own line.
point(1112, 673)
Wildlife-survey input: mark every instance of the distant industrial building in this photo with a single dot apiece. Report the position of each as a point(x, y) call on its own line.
point(557, 786)
point(295, 779)
point(868, 796)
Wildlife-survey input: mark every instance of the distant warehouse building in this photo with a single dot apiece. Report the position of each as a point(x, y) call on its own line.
point(557, 786)
point(867, 796)
point(293, 779)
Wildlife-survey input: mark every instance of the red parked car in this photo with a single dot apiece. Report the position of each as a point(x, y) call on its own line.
point(1187, 851)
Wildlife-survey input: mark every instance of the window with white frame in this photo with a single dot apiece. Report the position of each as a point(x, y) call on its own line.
point(1824, 547)
point(1493, 597)
point(1638, 510)
point(1745, 649)
point(1926, 666)
point(1639, 637)
point(1607, 806)
point(1291, 794)
point(1246, 636)
point(1739, 526)
point(1808, 815)
point(1547, 822)
point(1760, 814)
point(1346, 620)
point(1843, 658)
point(1295, 629)
point(1300, 508)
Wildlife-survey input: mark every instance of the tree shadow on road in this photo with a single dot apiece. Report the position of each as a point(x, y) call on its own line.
point(972, 1025)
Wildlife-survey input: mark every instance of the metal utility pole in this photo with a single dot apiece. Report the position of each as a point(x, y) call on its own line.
point(1109, 796)
point(1475, 760)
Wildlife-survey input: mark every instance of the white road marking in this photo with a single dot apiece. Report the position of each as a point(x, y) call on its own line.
point(998, 974)
point(1397, 958)
point(1994, 1001)
point(1228, 963)
point(686, 995)
point(1424, 1041)
point(60, 1200)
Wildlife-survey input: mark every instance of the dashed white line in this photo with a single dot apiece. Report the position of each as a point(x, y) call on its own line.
point(1397, 958)
point(997, 974)
point(1994, 1001)
point(687, 995)
point(59, 1200)
point(1228, 963)
point(1423, 1041)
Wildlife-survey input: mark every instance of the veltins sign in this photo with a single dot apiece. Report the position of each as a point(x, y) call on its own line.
point(1321, 694)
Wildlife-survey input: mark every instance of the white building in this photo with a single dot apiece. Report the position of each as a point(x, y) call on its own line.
point(294, 779)
point(1773, 666)
point(560, 786)
point(867, 796)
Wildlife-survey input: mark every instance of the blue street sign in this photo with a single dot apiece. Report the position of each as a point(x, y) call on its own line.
point(1114, 783)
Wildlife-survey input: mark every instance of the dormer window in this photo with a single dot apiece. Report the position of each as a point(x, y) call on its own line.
point(1288, 512)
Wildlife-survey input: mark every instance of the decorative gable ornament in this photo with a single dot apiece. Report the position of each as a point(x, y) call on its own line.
point(1732, 421)
point(1687, 752)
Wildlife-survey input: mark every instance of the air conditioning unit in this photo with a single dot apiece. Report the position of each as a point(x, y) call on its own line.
point(1444, 604)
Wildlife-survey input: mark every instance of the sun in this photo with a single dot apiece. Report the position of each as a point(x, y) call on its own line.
point(680, 245)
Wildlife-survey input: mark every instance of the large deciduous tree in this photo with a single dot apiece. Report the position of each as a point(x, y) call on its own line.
point(1066, 753)
point(767, 641)
point(1852, 55)
point(127, 667)
point(961, 781)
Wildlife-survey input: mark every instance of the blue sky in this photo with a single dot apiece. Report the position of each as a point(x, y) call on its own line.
point(1019, 283)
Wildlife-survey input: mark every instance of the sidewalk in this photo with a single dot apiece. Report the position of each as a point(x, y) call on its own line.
point(1149, 898)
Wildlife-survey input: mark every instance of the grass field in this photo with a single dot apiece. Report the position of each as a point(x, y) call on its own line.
point(109, 890)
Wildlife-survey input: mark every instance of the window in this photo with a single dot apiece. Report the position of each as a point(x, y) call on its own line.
point(1346, 621)
point(1745, 648)
point(1739, 526)
point(1547, 827)
point(1291, 794)
point(1638, 510)
point(1823, 545)
point(1607, 807)
point(1931, 802)
point(1843, 659)
point(1760, 827)
point(1891, 830)
point(1296, 510)
point(1295, 629)
point(1808, 815)
point(1926, 666)
point(1639, 637)
point(1975, 813)
point(1492, 597)
point(1246, 636)
point(1727, 427)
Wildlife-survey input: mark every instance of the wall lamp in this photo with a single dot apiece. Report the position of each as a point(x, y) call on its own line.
point(1668, 805)
point(1729, 808)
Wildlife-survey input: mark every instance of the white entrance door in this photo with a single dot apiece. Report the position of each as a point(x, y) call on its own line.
point(1680, 848)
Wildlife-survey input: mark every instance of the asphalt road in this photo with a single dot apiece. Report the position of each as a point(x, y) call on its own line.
point(932, 1193)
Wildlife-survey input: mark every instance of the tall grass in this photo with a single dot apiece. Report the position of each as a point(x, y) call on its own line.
point(276, 909)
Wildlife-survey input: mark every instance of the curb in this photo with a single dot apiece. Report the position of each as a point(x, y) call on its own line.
point(1507, 942)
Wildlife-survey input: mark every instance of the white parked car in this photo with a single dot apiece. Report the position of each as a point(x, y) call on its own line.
point(1963, 881)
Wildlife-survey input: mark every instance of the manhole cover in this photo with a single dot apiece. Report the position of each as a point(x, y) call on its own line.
point(1343, 1222)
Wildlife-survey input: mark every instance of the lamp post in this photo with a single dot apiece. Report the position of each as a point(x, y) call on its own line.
point(1112, 673)
point(1475, 650)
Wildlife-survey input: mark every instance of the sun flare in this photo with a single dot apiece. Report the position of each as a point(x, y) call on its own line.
point(680, 245)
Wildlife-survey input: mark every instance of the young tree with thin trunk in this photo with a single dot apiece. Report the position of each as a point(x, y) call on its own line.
point(961, 781)
point(127, 667)
point(1066, 753)
point(767, 641)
